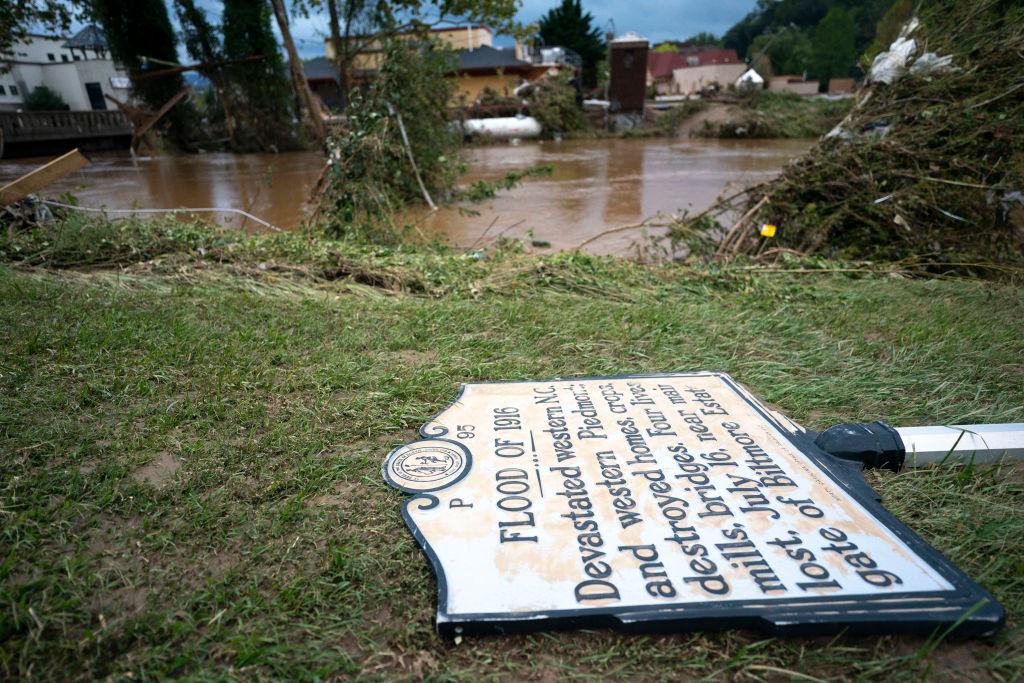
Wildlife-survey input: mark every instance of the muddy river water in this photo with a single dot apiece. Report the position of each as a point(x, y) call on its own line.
point(596, 185)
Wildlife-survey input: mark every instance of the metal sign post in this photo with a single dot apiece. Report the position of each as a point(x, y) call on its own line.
point(973, 443)
point(878, 445)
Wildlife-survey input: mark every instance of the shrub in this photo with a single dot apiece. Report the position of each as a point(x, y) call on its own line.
point(43, 99)
point(554, 103)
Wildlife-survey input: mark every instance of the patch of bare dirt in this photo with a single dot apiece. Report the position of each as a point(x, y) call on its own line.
point(954, 661)
point(1015, 472)
point(716, 112)
point(340, 495)
point(416, 356)
point(398, 438)
point(159, 471)
point(126, 601)
point(878, 335)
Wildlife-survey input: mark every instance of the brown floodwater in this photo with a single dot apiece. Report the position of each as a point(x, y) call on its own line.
point(596, 185)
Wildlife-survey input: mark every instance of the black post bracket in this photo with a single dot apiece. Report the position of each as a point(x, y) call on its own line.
point(873, 444)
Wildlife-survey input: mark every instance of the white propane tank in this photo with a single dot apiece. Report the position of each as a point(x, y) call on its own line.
point(503, 127)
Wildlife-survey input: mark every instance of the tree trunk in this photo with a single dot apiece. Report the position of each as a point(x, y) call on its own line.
point(347, 54)
point(339, 53)
point(306, 98)
point(209, 54)
point(332, 10)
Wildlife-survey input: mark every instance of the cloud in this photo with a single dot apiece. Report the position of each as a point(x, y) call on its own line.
point(656, 20)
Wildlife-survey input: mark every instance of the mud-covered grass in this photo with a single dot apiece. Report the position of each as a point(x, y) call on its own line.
point(763, 114)
point(191, 446)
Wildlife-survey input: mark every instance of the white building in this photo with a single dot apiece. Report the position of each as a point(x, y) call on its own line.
point(78, 69)
point(691, 80)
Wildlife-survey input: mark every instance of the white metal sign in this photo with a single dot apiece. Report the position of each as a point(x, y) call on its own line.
point(659, 502)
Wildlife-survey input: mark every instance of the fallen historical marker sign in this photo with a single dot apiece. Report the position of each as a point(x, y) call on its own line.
point(660, 503)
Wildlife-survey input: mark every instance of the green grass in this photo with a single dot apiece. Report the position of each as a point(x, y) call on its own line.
point(190, 475)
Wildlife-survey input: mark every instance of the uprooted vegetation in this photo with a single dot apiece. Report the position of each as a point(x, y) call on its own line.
point(398, 145)
point(929, 167)
point(399, 149)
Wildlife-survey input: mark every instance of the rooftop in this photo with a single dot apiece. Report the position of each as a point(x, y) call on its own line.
point(630, 37)
point(90, 37)
point(320, 69)
point(661, 64)
point(485, 57)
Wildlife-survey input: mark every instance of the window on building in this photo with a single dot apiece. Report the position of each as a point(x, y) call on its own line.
point(14, 90)
point(2, 90)
point(77, 58)
point(49, 55)
point(63, 58)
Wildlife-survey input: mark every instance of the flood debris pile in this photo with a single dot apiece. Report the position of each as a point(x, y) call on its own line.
point(398, 147)
point(928, 166)
point(764, 114)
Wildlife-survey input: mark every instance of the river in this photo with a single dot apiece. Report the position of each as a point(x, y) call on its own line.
point(596, 185)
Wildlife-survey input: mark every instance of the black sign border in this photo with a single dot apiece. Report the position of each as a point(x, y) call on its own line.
point(967, 610)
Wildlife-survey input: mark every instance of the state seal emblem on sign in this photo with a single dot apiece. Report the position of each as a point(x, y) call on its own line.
point(426, 465)
point(660, 502)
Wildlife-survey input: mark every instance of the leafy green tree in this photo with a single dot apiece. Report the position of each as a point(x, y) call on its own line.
point(199, 36)
point(773, 15)
point(887, 30)
point(866, 16)
point(704, 38)
point(141, 37)
point(834, 49)
point(788, 51)
point(19, 17)
point(43, 99)
point(204, 46)
point(261, 91)
point(770, 15)
point(569, 26)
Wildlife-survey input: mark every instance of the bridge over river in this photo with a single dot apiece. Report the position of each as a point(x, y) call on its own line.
point(48, 133)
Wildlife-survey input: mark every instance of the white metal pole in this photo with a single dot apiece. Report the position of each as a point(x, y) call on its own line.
point(962, 443)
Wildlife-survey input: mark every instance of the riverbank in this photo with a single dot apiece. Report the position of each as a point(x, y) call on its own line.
point(195, 420)
point(765, 115)
point(596, 184)
point(756, 115)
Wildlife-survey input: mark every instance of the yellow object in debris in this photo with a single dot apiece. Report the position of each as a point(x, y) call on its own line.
point(767, 230)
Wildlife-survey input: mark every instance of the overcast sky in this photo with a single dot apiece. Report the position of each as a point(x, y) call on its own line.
point(657, 20)
point(654, 19)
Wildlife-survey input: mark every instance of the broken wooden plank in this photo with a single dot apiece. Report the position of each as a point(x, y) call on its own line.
point(144, 128)
point(35, 180)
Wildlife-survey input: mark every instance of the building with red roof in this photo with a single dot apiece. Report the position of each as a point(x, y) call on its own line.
point(661, 65)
